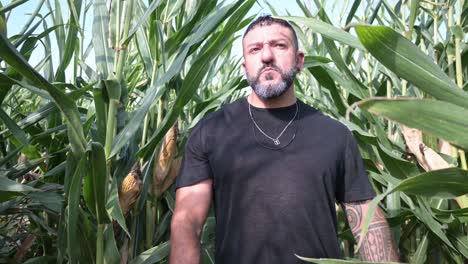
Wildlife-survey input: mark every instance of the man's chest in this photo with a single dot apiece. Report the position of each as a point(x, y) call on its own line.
point(310, 159)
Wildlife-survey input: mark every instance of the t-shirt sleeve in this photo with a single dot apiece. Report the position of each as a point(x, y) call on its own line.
point(353, 185)
point(195, 164)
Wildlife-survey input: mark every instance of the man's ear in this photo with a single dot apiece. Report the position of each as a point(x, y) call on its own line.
point(299, 60)
point(243, 67)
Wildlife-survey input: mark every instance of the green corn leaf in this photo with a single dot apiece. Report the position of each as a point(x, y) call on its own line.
point(446, 183)
point(8, 80)
point(92, 75)
point(327, 31)
point(352, 12)
point(146, 179)
point(50, 200)
point(441, 119)
point(104, 55)
point(424, 214)
point(14, 129)
point(461, 243)
point(86, 237)
point(10, 156)
point(41, 260)
point(406, 60)
point(111, 252)
point(190, 26)
point(325, 80)
point(64, 103)
point(413, 14)
point(12, 5)
point(392, 13)
point(7, 185)
point(420, 255)
point(353, 84)
point(113, 207)
point(71, 40)
point(314, 61)
point(153, 255)
point(32, 16)
point(208, 254)
point(95, 186)
point(339, 261)
point(74, 12)
point(142, 19)
point(27, 35)
point(371, 19)
point(457, 31)
point(145, 52)
point(73, 235)
point(100, 112)
point(3, 26)
point(396, 166)
point(40, 114)
point(156, 90)
point(114, 14)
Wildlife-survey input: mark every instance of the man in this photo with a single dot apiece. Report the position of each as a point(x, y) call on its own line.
point(275, 167)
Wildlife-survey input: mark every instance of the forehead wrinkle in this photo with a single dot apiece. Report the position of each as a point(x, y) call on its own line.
point(284, 37)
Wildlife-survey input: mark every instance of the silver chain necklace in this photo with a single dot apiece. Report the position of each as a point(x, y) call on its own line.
point(275, 140)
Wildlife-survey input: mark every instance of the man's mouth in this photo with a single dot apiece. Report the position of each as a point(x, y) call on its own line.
point(269, 69)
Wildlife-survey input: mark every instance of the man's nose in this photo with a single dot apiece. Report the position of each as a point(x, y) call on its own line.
point(267, 54)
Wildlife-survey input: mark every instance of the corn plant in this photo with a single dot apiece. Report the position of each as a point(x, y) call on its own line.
point(92, 133)
point(86, 153)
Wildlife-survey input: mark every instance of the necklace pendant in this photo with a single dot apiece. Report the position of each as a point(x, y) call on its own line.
point(276, 141)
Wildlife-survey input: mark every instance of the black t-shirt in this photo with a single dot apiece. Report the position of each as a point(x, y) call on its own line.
point(273, 203)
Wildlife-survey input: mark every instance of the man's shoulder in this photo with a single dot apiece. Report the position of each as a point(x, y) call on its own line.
point(317, 119)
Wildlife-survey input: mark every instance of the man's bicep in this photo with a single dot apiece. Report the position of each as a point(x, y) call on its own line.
point(193, 202)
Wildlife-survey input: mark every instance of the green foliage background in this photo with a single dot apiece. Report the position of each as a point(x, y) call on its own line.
point(72, 127)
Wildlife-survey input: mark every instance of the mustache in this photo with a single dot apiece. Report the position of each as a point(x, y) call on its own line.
point(269, 65)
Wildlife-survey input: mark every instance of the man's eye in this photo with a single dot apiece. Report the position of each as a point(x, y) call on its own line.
point(254, 50)
point(281, 45)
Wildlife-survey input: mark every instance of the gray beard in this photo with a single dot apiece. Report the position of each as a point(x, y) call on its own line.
point(271, 91)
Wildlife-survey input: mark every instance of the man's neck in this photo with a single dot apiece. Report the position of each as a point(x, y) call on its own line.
point(286, 99)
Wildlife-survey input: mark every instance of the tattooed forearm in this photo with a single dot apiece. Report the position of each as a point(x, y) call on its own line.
point(377, 245)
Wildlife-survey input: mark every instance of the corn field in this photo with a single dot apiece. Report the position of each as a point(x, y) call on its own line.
point(98, 98)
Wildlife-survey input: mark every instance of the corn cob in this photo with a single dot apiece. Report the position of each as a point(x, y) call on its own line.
point(129, 190)
point(169, 180)
point(165, 157)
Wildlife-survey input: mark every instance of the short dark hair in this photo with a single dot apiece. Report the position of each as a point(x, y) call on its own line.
point(267, 20)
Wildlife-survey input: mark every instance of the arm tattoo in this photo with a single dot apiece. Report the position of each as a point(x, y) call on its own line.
point(377, 245)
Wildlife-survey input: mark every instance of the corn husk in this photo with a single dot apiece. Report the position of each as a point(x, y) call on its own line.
point(166, 156)
point(445, 147)
point(427, 157)
point(124, 252)
point(129, 190)
point(159, 189)
point(25, 246)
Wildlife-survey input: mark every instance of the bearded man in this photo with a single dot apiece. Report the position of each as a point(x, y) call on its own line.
point(275, 167)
